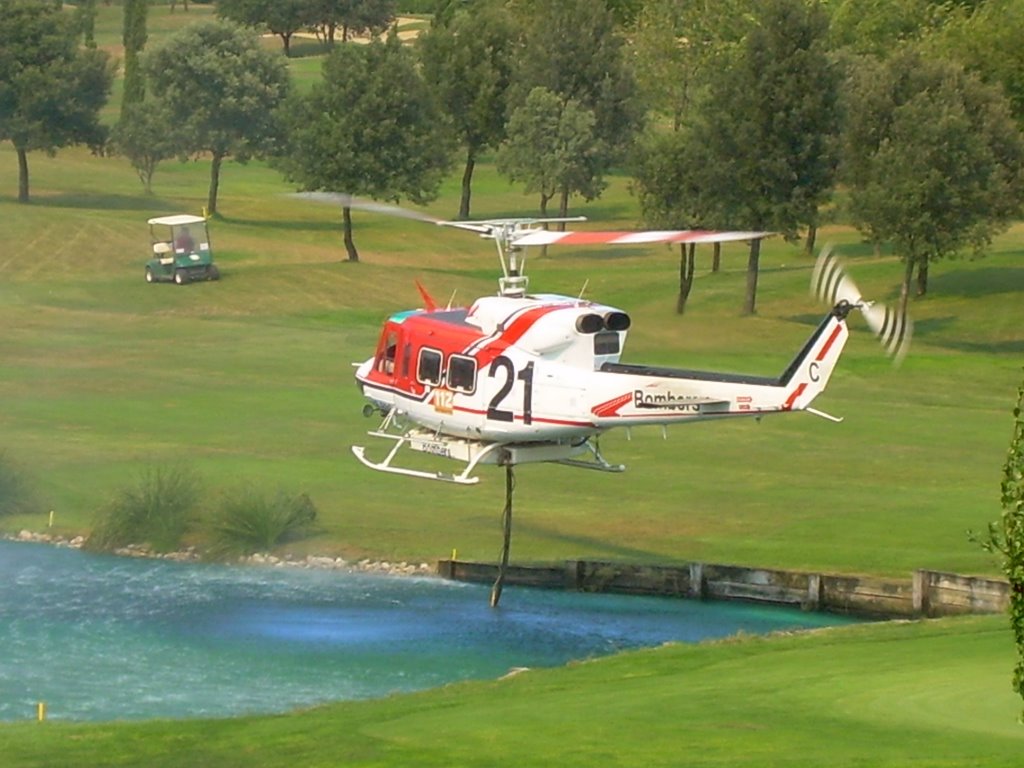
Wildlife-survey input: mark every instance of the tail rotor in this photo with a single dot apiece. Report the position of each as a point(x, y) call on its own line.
point(831, 284)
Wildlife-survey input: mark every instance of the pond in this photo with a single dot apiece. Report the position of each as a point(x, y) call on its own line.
point(102, 638)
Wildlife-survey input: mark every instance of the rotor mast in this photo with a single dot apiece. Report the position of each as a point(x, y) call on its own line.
point(512, 257)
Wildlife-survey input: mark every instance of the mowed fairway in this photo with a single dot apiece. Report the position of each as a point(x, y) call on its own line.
point(249, 381)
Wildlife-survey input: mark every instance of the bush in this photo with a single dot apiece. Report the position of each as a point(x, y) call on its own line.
point(14, 491)
point(249, 521)
point(156, 513)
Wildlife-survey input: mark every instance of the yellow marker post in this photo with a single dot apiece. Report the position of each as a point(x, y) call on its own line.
point(41, 711)
point(51, 519)
point(455, 554)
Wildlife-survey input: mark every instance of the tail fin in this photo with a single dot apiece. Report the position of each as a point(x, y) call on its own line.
point(808, 374)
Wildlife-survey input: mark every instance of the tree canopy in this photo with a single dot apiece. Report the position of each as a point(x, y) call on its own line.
point(51, 91)
point(758, 150)
point(370, 128)
point(467, 59)
point(222, 90)
point(552, 148)
point(932, 157)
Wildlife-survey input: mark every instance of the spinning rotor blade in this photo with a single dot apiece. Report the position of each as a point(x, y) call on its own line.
point(544, 237)
point(348, 201)
point(831, 284)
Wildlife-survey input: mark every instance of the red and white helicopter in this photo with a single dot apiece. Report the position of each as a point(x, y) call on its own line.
point(520, 377)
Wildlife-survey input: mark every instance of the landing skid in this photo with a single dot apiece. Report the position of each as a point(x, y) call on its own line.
point(476, 452)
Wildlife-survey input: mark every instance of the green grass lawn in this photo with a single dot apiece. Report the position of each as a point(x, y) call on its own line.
point(249, 380)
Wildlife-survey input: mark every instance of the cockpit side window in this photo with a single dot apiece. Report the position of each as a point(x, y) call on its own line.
point(428, 369)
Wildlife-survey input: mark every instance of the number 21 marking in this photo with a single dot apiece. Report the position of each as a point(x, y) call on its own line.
point(502, 363)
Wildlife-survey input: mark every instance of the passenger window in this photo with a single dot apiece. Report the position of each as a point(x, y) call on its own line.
point(428, 371)
point(462, 374)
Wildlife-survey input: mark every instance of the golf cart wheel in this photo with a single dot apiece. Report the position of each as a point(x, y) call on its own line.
point(212, 273)
point(149, 276)
point(180, 277)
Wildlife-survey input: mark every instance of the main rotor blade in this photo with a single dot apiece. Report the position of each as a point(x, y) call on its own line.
point(349, 201)
point(544, 237)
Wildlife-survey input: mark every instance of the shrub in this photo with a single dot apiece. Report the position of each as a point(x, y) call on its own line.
point(14, 491)
point(249, 521)
point(156, 512)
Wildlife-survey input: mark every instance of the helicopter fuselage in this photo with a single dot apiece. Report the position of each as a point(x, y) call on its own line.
point(547, 368)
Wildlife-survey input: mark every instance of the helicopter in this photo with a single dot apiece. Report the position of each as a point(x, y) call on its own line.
point(520, 377)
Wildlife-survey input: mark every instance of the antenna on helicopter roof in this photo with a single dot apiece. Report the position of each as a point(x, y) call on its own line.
point(583, 289)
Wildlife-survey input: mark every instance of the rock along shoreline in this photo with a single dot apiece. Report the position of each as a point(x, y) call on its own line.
point(191, 555)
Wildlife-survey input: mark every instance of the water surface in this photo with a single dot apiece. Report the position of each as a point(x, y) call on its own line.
point(102, 638)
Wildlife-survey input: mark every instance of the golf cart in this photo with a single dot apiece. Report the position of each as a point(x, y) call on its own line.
point(181, 250)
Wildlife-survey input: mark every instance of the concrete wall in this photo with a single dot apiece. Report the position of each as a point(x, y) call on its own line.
point(926, 593)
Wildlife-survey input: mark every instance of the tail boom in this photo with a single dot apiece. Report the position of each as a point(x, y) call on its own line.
point(654, 395)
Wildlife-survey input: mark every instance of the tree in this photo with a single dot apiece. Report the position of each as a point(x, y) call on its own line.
point(552, 148)
point(134, 36)
point(222, 89)
point(85, 17)
point(672, 198)
point(987, 41)
point(354, 17)
point(467, 61)
point(370, 128)
point(1006, 537)
point(572, 49)
point(759, 150)
point(674, 45)
point(282, 17)
point(932, 157)
point(879, 26)
point(142, 136)
point(50, 91)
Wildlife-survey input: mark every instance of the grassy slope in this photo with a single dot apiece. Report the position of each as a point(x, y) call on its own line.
point(925, 694)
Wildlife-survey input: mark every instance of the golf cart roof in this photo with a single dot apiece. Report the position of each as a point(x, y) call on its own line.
point(177, 219)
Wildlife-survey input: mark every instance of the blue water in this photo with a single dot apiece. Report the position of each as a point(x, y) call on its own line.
point(103, 638)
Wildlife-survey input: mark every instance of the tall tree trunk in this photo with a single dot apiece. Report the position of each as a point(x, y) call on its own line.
point(687, 252)
point(286, 38)
point(211, 199)
point(753, 261)
point(563, 205)
point(350, 245)
point(908, 274)
point(467, 183)
point(812, 237)
point(716, 257)
point(22, 175)
point(922, 276)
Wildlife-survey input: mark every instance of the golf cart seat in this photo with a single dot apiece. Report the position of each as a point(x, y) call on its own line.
point(163, 252)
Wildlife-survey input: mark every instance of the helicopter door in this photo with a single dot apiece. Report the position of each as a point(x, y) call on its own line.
point(387, 352)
